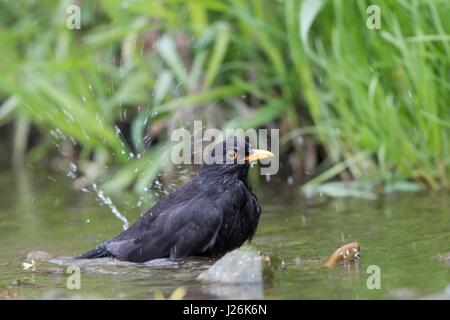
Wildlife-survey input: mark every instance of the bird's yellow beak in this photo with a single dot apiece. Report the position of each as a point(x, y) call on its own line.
point(258, 154)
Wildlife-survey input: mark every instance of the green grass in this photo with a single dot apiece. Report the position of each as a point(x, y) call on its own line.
point(376, 100)
point(386, 91)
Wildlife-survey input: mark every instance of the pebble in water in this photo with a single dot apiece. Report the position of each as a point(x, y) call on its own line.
point(39, 255)
point(446, 258)
point(346, 253)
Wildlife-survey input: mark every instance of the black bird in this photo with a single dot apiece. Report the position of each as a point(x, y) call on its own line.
point(213, 213)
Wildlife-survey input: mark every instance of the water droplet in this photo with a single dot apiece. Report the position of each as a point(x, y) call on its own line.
point(290, 180)
point(72, 171)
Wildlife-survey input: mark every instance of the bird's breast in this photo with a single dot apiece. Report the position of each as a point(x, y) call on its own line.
point(240, 218)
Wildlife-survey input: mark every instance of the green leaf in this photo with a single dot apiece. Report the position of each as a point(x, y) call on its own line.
point(308, 13)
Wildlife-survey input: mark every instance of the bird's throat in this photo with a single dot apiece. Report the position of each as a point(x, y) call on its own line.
point(222, 177)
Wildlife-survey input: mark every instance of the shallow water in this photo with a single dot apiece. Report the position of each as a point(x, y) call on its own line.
point(405, 235)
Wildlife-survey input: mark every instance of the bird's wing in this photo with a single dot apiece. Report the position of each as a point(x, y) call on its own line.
point(182, 230)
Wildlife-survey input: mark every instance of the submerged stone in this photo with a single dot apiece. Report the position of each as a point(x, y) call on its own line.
point(39, 255)
point(235, 291)
point(442, 295)
point(403, 294)
point(242, 265)
point(446, 258)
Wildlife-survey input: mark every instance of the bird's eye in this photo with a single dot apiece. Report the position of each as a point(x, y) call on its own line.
point(231, 154)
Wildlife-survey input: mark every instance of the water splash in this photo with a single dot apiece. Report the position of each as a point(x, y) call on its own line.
point(106, 200)
point(72, 173)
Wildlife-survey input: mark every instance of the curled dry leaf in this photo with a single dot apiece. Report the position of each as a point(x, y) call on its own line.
point(348, 252)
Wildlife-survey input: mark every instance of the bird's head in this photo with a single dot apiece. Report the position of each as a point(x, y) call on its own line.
point(232, 156)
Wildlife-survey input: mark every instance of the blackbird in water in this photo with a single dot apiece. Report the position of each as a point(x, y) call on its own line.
point(213, 213)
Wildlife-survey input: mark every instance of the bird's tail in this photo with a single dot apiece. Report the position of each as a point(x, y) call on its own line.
point(99, 251)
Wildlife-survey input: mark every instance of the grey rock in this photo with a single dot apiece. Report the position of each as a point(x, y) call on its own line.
point(242, 265)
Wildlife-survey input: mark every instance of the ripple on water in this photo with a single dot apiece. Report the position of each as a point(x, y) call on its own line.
point(116, 267)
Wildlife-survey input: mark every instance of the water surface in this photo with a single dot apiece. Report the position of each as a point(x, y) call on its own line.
point(405, 235)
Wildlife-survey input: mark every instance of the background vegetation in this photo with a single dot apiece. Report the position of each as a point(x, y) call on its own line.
point(352, 104)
